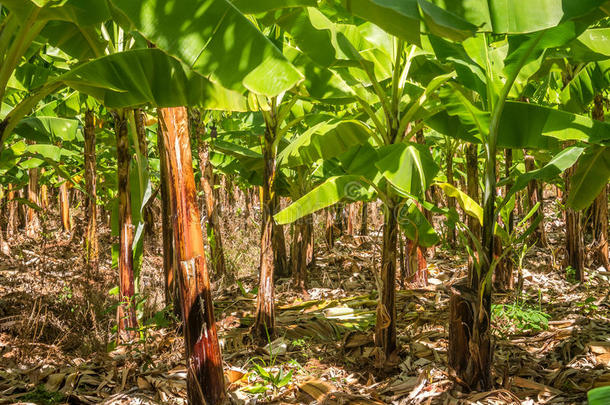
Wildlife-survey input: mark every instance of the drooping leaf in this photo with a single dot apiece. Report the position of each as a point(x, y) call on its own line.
point(591, 176)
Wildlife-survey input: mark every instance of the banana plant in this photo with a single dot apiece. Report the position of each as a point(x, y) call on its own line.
point(390, 86)
point(490, 71)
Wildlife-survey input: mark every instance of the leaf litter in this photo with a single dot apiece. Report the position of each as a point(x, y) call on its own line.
point(53, 336)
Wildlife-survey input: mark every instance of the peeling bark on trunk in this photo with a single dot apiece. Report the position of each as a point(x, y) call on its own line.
point(91, 240)
point(32, 220)
point(385, 330)
point(214, 235)
point(169, 258)
point(417, 267)
point(64, 207)
point(264, 325)
point(126, 312)
point(205, 380)
point(534, 192)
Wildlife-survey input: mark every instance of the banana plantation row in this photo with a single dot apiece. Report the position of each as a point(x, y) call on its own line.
point(323, 103)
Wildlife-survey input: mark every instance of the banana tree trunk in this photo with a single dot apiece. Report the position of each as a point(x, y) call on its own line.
point(451, 235)
point(301, 251)
point(169, 258)
point(264, 325)
point(329, 233)
point(11, 222)
point(534, 192)
point(217, 256)
point(279, 245)
point(364, 219)
point(575, 248)
point(91, 239)
point(351, 218)
point(205, 380)
point(599, 211)
point(44, 193)
point(385, 329)
point(503, 275)
point(32, 220)
point(417, 267)
point(126, 312)
point(140, 121)
point(472, 185)
point(64, 207)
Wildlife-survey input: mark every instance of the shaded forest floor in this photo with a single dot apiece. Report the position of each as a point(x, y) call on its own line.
point(56, 324)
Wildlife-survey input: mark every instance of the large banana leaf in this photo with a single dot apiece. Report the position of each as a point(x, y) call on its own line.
point(47, 129)
point(590, 177)
point(333, 190)
point(415, 225)
point(526, 125)
point(213, 38)
point(325, 140)
point(501, 16)
point(260, 6)
point(82, 12)
point(410, 168)
point(149, 76)
point(588, 82)
point(470, 206)
point(561, 162)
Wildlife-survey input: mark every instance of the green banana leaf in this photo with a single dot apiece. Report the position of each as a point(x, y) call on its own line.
point(415, 225)
point(48, 129)
point(149, 76)
point(470, 206)
point(591, 176)
point(325, 140)
point(410, 168)
point(213, 38)
point(333, 190)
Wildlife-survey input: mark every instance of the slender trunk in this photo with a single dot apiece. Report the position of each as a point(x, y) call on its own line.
point(534, 192)
point(351, 219)
point(11, 223)
point(599, 210)
point(402, 260)
point(470, 351)
point(279, 245)
point(44, 193)
point(339, 218)
point(575, 245)
point(32, 220)
point(126, 312)
point(451, 234)
point(205, 380)
point(417, 267)
point(472, 174)
point(140, 121)
point(301, 242)
point(503, 275)
point(169, 258)
point(217, 257)
point(91, 240)
point(364, 219)
point(386, 312)
point(264, 326)
point(329, 233)
point(64, 206)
